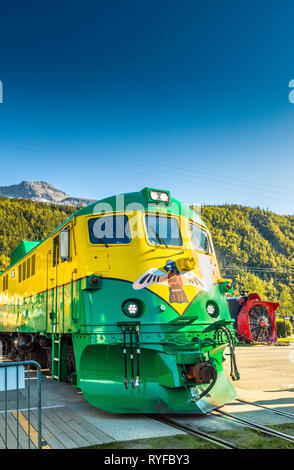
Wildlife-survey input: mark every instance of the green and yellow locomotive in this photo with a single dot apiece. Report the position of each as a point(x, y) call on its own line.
point(126, 301)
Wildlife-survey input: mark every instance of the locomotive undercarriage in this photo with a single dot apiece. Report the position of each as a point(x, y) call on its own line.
point(34, 347)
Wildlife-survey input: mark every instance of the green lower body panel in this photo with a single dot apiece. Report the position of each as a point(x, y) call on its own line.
point(161, 390)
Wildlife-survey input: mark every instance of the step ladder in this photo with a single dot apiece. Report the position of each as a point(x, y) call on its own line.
point(59, 356)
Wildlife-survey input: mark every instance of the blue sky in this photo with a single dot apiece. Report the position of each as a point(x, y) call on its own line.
point(103, 97)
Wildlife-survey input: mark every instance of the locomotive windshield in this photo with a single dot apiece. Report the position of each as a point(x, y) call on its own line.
point(200, 239)
point(110, 229)
point(162, 230)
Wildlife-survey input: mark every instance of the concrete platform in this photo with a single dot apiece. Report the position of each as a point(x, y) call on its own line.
point(69, 422)
point(267, 378)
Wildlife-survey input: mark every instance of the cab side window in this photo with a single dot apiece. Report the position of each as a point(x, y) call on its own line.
point(5, 282)
point(33, 265)
point(56, 250)
point(24, 271)
point(200, 239)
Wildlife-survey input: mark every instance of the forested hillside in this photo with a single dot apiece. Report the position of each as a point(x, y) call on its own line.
point(254, 247)
point(23, 219)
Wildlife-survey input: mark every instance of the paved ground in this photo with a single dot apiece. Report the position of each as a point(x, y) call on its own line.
point(68, 421)
point(265, 367)
point(267, 377)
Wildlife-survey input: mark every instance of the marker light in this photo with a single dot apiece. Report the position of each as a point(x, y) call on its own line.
point(159, 196)
point(94, 280)
point(225, 286)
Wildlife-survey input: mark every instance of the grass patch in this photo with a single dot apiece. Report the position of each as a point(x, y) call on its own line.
point(179, 441)
point(287, 428)
point(250, 439)
point(244, 438)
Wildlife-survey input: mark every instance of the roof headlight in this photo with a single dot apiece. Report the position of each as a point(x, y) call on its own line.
point(161, 196)
point(164, 197)
point(154, 195)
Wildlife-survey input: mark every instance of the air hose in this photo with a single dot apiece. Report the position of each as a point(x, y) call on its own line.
point(126, 384)
point(137, 382)
point(234, 370)
point(132, 381)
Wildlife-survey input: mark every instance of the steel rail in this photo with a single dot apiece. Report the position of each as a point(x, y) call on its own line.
point(256, 426)
point(196, 433)
point(278, 412)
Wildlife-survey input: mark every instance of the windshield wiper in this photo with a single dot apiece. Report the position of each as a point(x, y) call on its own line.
point(100, 240)
point(158, 238)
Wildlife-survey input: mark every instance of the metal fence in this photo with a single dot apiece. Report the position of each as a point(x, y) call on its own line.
point(20, 409)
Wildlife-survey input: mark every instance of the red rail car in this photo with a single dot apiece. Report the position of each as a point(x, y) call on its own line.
point(255, 319)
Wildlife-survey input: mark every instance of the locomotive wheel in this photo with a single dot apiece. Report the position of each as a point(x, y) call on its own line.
point(71, 365)
point(260, 324)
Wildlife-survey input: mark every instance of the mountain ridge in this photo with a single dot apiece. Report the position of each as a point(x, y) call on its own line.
point(41, 191)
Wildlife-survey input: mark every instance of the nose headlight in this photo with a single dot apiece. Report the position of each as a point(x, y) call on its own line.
point(212, 309)
point(132, 308)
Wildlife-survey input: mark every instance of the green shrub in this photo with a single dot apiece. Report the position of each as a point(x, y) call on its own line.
point(281, 328)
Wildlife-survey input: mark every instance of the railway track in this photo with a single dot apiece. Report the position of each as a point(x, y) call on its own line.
point(265, 430)
point(253, 425)
point(278, 412)
point(196, 432)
